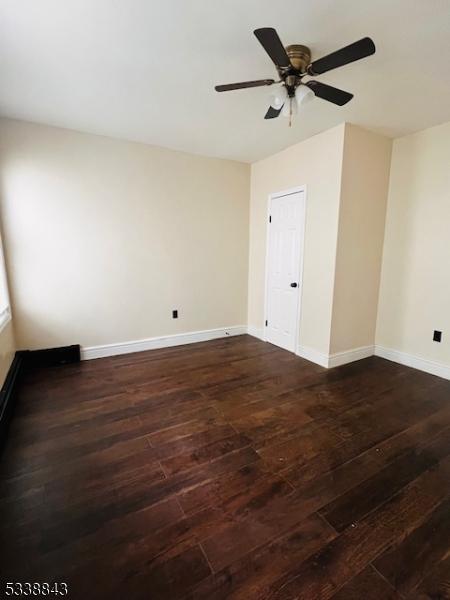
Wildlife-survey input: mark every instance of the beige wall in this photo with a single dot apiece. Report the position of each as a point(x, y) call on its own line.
point(7, 350)
point(364, 189)
point(316, 163)
point(104, 238)
point(415, 283)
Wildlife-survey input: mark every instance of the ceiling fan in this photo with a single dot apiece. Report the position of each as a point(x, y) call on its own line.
point(293, 63)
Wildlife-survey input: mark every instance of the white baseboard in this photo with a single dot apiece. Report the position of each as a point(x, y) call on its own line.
point(348, 356)
point(334, 360)
point(256, 332)
point(416, 362)
point(322, 359)
point(313, 355)
point(166, 341)
point(342, 358)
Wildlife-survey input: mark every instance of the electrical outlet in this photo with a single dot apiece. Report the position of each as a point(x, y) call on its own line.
point(174, 314)
point(437, 336)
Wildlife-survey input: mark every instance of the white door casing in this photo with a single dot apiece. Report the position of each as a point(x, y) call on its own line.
point(285, 240)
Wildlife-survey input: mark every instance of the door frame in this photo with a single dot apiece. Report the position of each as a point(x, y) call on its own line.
point(288, 192)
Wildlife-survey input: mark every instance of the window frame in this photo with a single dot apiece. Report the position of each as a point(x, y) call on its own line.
point(5, 311)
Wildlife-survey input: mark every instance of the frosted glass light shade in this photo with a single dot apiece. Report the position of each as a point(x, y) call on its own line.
point(303, 95)
point(289, 108)
point(278, 97)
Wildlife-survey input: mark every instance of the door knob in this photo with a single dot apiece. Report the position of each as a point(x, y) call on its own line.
point(294, 284)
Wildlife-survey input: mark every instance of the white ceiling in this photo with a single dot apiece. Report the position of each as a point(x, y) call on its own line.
point(145, 70)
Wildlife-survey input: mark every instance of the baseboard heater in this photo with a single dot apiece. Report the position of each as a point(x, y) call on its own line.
point(25, 359)
point(8, 395)
point(51, 357)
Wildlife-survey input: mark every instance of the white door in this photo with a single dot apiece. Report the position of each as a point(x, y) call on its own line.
point(286, 231)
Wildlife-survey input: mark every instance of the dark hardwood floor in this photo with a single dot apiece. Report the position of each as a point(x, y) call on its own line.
point(229, 469)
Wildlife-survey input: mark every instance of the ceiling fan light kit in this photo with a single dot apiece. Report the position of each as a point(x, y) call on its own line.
point(289, 108)
point(304, 94)
point(292, 64)
point(278, 97)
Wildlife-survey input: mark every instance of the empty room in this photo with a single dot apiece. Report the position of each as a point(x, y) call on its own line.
point(225, 299)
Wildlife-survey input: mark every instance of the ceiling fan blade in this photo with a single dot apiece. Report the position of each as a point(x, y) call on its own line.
point(327, 92)
point(243, 84)
point(271, 43)
point(344, 56)
point(273, 113)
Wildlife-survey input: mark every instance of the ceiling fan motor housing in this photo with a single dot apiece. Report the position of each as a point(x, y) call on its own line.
point(300, 56)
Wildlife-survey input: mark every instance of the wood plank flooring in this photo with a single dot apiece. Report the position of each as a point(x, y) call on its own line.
point(229, 469)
